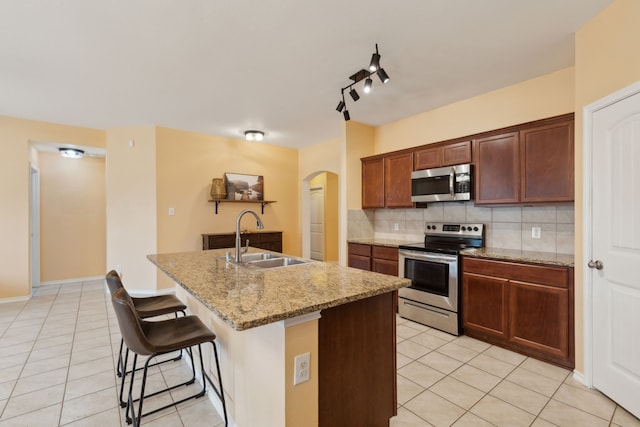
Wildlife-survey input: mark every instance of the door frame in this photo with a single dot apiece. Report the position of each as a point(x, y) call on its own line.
point(587, 218)
point(311, 189)
point(34, 224)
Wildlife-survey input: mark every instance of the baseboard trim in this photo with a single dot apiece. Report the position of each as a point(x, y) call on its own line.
point(150, 292)
point(580, 378)
point(14, 299)
point(76, 280)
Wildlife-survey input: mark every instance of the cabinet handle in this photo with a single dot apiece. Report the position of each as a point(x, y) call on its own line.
point(597, 264)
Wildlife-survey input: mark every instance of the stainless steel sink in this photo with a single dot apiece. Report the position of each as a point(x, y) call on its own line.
point(267, 260)
point(259, 256)
point(276, 262)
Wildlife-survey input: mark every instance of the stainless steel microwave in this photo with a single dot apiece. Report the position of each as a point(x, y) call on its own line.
point(451, 183)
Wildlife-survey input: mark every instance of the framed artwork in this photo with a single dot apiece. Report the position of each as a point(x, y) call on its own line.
point(244, 187)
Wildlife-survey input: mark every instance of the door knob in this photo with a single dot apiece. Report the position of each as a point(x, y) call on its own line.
point(597, 264)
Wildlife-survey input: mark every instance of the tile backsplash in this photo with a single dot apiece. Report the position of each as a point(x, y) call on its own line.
point(505, 227)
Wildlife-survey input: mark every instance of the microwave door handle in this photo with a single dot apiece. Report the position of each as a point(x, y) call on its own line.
point(452, 181)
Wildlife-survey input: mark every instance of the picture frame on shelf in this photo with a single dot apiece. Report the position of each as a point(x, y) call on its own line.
point(244, 187)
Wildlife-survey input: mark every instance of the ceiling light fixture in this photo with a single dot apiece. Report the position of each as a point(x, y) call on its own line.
point(253, 135)
point(374, 68)
point(71, 153)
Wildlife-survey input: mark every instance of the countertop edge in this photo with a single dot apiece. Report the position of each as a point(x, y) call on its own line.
point(525, 257)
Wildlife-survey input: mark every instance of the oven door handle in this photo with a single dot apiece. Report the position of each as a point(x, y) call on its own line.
point(441, 258)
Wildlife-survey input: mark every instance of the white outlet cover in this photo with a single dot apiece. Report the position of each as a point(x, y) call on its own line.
point(536, 232)
point(302, 367)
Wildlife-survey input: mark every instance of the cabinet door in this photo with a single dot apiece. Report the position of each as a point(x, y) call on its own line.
point(539, 319)
point(546, 159)
point(456, 154)
point(384, 266)
point(373, 183)
point(497, 168)
point(397, 180)
point(484, 304)
point(360, 262)
point(427, 158)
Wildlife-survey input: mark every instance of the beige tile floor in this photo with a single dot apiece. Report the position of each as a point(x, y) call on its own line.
point(58, 351)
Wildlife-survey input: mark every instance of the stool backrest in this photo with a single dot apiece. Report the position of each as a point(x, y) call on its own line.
point(130, 323)
point(113, 281)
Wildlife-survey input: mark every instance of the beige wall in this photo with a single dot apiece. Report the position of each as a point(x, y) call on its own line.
point(606, 60)
point(72, 217)
point(545, 96)
point(15, 135)
point(301, 405)
point(131, 205)
point(360, 143)
point(186, 163)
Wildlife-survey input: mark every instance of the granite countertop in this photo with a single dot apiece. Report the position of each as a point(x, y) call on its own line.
point(392, 243)
point(247, 298)
point(531, 257)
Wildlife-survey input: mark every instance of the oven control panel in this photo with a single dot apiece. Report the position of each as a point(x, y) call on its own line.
point(453, 229)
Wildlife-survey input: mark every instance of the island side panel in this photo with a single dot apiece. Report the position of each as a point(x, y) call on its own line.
point(357, 366)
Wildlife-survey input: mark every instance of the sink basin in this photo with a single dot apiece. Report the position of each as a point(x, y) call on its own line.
point(276, 262)
point(259, 256)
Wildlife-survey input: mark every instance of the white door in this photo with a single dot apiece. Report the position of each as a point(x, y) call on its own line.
point(317, 223)
point(34, 223)
point(615, 251)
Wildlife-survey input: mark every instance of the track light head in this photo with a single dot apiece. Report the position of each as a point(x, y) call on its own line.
point(354, 94)
point(375, 62)
point(367, 85)
point(384, 77)
point(346, 115)
point(340, 107)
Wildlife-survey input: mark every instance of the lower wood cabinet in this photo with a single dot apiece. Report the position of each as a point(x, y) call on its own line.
point(381, 259)
point(268, 240)
point(523, 307)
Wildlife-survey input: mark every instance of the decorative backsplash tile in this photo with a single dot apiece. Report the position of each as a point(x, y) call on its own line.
point(505, 227)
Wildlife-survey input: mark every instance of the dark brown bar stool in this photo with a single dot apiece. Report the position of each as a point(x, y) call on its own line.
point(152, 339)
point(145, 308)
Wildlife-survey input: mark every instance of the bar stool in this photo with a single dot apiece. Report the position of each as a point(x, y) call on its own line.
point(145, 308)
point(152, 339)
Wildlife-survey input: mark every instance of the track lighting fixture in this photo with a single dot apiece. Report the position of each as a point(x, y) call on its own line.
point(253, 135)
point(374, 68)
point(367, 85)
point(354, 95)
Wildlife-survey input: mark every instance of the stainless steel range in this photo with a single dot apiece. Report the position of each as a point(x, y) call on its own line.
point(433, 298)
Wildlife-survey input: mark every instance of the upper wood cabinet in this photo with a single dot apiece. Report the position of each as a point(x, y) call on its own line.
point(397, 180)
point(546, 159)
point(372, 183)
point(386, 181)
point(532, 164)
point(497, 166)
point(442, 155)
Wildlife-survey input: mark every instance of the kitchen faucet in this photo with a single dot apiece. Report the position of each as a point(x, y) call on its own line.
point(239, 250)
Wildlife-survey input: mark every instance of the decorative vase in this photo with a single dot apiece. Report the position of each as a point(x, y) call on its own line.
point(218, 190)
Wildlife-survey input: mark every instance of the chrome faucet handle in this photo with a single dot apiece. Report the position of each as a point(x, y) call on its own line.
point(246, 248)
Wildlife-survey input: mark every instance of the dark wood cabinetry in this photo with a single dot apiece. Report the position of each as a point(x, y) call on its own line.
point(380, 259)
point(440, 155)
point(531, 164)
point(386, 181)
point(526, 308)
point(546, 159)
point(397, 180)
point(497, 166)
point(268, 240)
point(373, 183)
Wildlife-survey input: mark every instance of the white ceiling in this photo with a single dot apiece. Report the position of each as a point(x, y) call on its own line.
point(223, 66)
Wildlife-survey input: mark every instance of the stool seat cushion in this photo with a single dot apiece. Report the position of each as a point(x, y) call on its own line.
point(157, 305)
point(174, 334)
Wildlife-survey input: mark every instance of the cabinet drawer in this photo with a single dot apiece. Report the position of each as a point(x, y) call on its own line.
point(551, 276)
point(385, 252)
point(359, 249)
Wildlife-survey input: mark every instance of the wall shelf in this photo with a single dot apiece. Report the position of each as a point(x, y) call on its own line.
point(262, 202)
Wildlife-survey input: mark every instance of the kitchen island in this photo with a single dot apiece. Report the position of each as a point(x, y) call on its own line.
point(343, 317)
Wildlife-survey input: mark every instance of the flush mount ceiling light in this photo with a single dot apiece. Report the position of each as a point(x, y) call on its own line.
point(374, 68)
point(71, 153)
point(253, 135)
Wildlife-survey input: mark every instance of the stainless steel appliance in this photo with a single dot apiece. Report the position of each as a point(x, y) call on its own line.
point(433, 298)
point(451, 183)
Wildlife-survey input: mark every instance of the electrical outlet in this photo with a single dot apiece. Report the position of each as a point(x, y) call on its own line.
point(172, 211)
point(302, 368)
point(396, 226)
point(536, 232)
